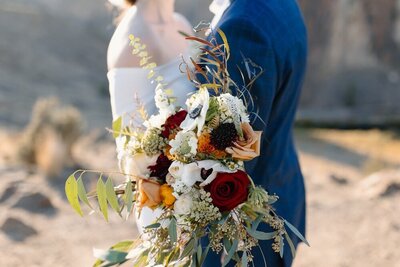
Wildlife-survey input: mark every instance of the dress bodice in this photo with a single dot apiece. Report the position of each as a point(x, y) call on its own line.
point(128, 85)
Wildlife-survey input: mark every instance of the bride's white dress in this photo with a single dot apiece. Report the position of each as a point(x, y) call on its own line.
point(126, 85)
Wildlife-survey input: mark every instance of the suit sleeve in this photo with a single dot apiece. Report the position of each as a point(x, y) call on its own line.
point(248, 43)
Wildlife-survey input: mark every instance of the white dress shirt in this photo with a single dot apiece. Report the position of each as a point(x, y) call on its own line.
point(218, 7)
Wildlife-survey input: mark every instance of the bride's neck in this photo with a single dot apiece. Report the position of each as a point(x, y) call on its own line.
point(156, 11)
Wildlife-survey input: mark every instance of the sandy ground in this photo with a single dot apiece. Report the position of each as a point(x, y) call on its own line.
point(353, 218)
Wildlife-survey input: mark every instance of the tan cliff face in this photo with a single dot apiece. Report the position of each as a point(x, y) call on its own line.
point(354, 62)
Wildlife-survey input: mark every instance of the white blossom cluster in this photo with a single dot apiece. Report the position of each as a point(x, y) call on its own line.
point(165, 107)
point(184, 145)
point(232, 109)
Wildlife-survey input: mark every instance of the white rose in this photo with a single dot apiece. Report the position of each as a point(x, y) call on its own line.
point(183, 205)
point(137, 165)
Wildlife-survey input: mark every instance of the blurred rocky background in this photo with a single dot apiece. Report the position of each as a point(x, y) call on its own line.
point(354, 64)
point(54, 108)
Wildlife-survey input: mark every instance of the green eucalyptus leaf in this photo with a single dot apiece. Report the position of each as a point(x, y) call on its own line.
point(82, 192)
point(245, 260)
point(204, 254)
point(189, 248)
point(71, 190)
point(199, 254)
point(172, 231)
point(98, 263)
point(102, 198)
point(141, 260)
point(123, 245)
point(112, 197)
point(175, 256)
point(227, 244)
point(281, 246)
point(117, 127)
point(296, 232)
point(224, 218)
point(231, 252)
point(194, 262)
point(152, 226)
point(261, 235)
point(111, 256)
point(171, 256)
point(291, 245)
point(257, 222)
point(128, 198)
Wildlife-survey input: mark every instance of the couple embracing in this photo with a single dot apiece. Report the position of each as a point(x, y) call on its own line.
point(271, 33)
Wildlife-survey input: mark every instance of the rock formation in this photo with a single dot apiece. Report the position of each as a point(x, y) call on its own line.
point(354, 63)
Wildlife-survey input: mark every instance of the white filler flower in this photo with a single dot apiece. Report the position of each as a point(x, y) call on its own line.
point(165, 109)
point(184, 144)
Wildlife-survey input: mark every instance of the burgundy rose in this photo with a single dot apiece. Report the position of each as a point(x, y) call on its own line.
point(160, 170)
point(173, 122)
point(228, 190)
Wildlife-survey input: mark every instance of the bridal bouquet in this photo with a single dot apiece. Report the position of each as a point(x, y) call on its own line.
point(189, 162)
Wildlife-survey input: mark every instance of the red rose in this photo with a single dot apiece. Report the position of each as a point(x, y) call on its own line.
point(173, 122)
point(228, 190)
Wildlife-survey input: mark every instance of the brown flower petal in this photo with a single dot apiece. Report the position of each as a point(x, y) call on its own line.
point(249, 147)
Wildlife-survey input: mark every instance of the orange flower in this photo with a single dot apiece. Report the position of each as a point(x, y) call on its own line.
point(204, 144)
point(219, 154)
point(149, 194)
point(168, 153)
point(168, 198)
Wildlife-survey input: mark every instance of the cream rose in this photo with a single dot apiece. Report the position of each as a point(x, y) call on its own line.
point(247, 148)
point(137, 165)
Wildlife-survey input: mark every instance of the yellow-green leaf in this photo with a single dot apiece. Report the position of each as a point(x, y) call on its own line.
point(82, 192)
point(189, 248)
point(117, 127)
point(151, 74)
point(144, 61)
point(128, 197)
point(71, 190)
point(211, 85)
point(102, 198)
point(225, 40)
point(150, 66)
point(143, 54)
point(111, 196)
point(159, 79)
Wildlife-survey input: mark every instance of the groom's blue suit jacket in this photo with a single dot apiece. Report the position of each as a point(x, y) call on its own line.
point(272, 34)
